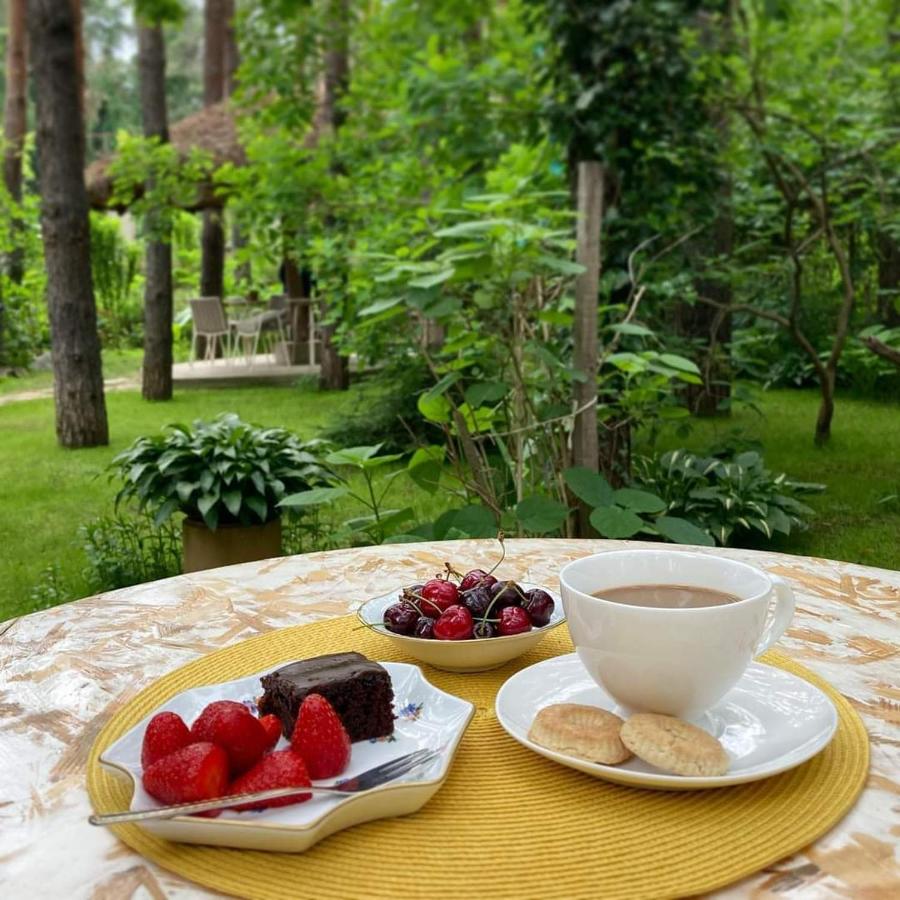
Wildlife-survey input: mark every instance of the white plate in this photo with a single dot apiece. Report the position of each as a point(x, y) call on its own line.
point(462, 656)
point(426, 718)
point(770, 722)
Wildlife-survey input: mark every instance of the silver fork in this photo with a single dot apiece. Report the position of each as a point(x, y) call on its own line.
point(365, 781)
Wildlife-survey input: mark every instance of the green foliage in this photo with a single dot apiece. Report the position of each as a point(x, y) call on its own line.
point(117, 283)
point(379, 522)
point(220, 472)
point(122, 550)
point(734, 499)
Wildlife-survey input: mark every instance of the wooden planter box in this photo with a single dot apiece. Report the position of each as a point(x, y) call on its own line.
point(228, 544)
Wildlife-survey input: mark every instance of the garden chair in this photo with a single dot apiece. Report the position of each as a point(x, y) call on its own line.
point(251, 330)
point(210, 322)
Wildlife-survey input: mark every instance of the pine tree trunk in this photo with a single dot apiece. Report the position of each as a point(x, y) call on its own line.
point(335, 371)
point(14, 125)
point(157, 370)
point(212, 235)
point(78, 376)
point(14, 117)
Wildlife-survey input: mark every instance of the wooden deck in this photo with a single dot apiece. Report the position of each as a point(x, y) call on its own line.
point(224, 372)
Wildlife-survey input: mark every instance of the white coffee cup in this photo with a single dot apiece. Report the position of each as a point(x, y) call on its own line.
point(679, 662)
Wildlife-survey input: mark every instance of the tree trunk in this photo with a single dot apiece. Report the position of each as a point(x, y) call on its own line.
point(888, 250)
point(14, 119)
point(585, 446)
point(212, 263)
point(826, 409)
point(14, 126)
point(335, 371)
point(231, 57)
point(157, 371)
point(77, 370)
point(212, 236)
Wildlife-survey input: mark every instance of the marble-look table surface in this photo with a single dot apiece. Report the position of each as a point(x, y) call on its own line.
point(64, 671)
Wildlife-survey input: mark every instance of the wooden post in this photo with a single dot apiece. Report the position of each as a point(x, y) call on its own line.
point(587, 286)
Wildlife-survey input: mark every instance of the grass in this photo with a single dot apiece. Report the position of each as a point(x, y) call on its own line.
point(860, 466)
point(49, 492)
point(116, 364)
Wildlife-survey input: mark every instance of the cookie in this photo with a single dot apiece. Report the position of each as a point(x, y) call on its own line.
point(583, 731)
point(674, 746)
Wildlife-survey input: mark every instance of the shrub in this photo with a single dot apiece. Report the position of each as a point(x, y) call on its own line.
point(221, 472)
point(125, 550)
point(733, 499)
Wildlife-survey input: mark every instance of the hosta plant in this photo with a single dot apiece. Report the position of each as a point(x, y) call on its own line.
point(224, 472)
point(731, 498)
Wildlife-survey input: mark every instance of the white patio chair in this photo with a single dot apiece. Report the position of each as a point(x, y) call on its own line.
point(210, 322)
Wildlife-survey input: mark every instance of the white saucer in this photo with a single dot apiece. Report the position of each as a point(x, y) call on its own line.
point(770, 722)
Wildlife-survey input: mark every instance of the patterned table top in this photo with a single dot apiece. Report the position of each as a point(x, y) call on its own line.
point(64, 671)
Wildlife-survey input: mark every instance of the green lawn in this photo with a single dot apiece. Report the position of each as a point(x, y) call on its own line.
point(860, 466)
point(47, 492)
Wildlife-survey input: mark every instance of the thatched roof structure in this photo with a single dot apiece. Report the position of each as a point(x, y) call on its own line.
point(212, 130)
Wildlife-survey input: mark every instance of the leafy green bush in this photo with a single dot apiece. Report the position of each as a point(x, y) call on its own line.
point(733, 499)
point(125, 550)
point(115, 270)
point(386, 412)
point(220, 472)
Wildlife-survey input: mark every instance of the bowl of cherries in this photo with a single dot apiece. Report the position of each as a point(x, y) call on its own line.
point(465, 622)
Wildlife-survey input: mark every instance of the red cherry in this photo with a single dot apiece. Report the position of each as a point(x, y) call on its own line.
point(475, 578)
point(438, 596)
point(455, 624)
point(513, 620)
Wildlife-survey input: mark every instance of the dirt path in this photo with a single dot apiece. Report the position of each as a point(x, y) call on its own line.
point(110, 384)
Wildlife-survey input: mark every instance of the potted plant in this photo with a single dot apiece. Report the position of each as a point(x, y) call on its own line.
point(227, 477)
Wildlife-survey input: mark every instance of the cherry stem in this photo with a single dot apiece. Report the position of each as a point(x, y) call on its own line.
point(502, 553)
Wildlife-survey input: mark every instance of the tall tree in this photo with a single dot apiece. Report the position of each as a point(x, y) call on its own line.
point(78, 377)
point(335, 372)
point(157, 368)
point(212, 241)
point(14, 126)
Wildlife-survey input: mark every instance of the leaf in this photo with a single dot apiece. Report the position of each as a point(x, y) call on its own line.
point(258, 505)
point(434, 409)
point(472, 228)
point(561, 265)
point(615, 522)
point(485, 392)
point(206, 503)
point(232, 500)
point(631, 328)
point(680, 363)
point(380, 306)
point(639, 501)
point(436, 278)
point(314, 497)
point(425, 468)
point(591, 487)
point(164, 513)
point(541, 514)
point(352, 456)
point(475, 521)
point(680, 531)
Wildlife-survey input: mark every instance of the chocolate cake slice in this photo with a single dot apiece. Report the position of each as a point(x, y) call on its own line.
point(359, 690)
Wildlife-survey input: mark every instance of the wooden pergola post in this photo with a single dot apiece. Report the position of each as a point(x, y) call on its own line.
point(585, 450)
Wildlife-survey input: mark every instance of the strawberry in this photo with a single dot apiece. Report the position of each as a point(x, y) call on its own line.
point(272, 727)
point(195, 772)
point(165, 733)
point(282, 768)
point(320, 738)
point(235, 729)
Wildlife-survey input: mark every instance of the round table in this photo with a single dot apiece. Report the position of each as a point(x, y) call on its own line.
point(64, 671)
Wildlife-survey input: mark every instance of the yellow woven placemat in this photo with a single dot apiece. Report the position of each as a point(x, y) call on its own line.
point(507, 823)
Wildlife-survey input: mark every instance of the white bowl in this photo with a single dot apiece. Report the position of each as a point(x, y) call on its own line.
point(461, 656)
